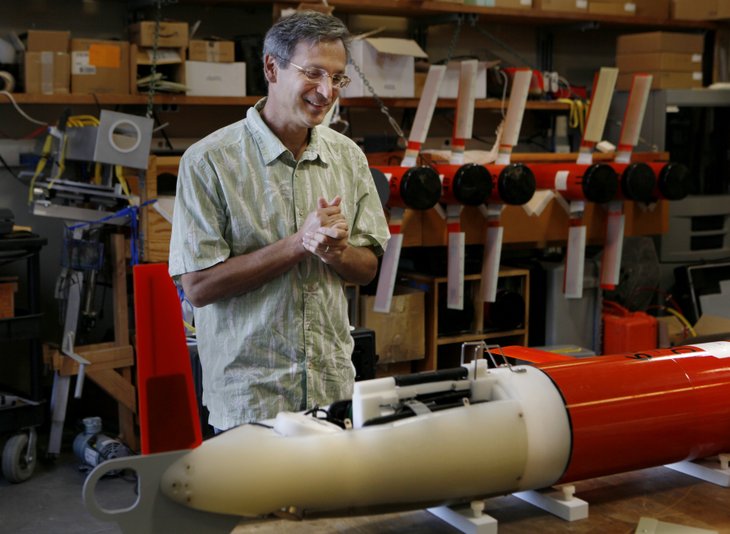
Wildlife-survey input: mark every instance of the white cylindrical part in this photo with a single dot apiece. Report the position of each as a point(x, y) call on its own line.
point(546, 422)
point(518, 440)
point(478, 450)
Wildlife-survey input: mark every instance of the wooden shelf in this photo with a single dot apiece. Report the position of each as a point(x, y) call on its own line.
point(479, 336)
point(474, 331)
point(183, 100)
point(107, 99)
point(429, 8)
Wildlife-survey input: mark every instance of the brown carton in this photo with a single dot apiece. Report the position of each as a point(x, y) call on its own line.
point(47, 73)
point(688, 43)
point(574, 6)
point(608, 7)
point(170, 63)
point(663, 80)
point(171, 35)
point(212, 51)
point(99, 66)
point(514, 4)
point(657, 9)
point(401, 334)
point(694, 9)
point(723, 9)
point(47, 41)
point(659, 61)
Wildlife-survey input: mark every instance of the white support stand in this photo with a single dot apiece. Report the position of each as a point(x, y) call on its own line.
point(560, 502)
point(468, 519)
point(707, 469)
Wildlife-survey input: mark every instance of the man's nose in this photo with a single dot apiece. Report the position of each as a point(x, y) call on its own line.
point(325, 86)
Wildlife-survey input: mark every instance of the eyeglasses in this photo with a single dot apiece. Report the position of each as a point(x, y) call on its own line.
point(316, 75)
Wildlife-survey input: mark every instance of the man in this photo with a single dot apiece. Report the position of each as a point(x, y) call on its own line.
point(272, 215)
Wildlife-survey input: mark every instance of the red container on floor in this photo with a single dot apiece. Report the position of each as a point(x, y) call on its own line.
point(627, 331)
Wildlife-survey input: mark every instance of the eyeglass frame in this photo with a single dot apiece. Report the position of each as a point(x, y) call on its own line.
point(344, 78)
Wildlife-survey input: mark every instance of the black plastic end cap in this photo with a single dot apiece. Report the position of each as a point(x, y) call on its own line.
point(420, 188)
point(472, 184)
point(516, 184)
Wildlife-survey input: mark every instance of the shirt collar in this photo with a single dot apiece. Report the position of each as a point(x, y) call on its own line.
point(271, 146)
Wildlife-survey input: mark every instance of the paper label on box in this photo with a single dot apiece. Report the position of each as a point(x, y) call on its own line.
point(630, 7)
point(105, 56)
point(696, 58)
point(561, 180)
point(581, 4)
point(697, 76)
point(526, 3)
point(80, 63)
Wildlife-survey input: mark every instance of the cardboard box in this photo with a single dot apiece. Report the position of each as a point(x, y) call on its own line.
point(688, 43)
point(99, 66)
point(513, 4)
point(658, 9)
point(574, 6)
point(401, 334)
point(659, 61)
point(47, 73)
point(170, 63)
point(212, 51)
point(607, 7)
point(723, 9)
point(204, 78)
point(47, 41)
point(171, 35)
point(387, 63)
point(694, 9)
point(663, 80)
point(8, 288)
point(509, 4)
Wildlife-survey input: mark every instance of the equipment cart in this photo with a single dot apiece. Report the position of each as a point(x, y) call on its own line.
point(22, 408)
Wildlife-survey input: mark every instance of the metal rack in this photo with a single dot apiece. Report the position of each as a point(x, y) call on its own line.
point(25, 410)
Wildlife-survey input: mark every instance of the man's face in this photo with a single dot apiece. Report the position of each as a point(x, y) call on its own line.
point(307, 102)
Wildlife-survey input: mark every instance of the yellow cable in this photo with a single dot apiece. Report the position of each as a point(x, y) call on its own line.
point(47, 144)
point(189, 326)
point(97, 173)
point(577, 114)
point(682, 319)
point(122, 180)
point(61, 161)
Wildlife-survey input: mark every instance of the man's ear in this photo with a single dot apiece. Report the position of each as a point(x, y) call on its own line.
point(270, 68)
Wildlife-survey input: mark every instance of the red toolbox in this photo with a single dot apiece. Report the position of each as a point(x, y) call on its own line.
point(627, 331)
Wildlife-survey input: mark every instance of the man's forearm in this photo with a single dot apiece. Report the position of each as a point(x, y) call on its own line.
point(241, 274)
point(357, 265)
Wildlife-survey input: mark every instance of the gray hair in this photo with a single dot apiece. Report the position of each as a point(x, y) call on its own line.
point(309, 27)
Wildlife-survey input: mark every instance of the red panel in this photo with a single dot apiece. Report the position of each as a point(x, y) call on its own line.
point(637, 410)
point(168, 410)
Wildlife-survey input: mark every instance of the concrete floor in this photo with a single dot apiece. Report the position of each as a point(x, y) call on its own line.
point(50, 500)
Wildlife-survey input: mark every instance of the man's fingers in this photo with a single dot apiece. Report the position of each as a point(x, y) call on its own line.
point(334, 232)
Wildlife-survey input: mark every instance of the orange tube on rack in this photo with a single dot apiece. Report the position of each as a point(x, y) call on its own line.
point(598, 182)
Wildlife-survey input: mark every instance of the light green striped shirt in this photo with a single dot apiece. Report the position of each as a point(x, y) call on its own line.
point(287, 344)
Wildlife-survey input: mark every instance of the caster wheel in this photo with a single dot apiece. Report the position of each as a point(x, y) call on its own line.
point(18, 462)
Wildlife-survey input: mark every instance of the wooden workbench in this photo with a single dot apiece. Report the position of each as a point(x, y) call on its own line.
point(616, 504)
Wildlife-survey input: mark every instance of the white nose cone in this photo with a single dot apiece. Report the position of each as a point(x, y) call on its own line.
point(251, 470)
